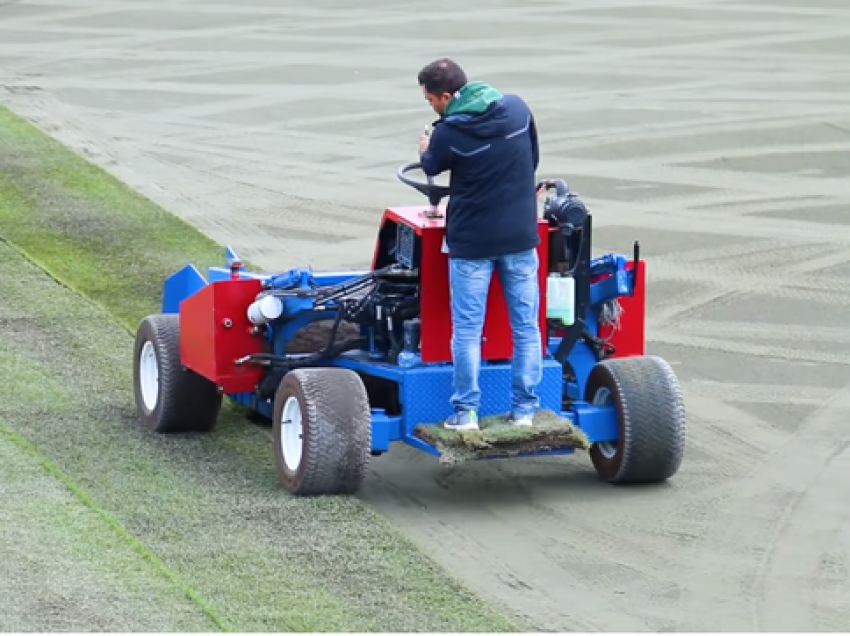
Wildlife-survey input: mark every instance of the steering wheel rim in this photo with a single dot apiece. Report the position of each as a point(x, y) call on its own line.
point(434, 192)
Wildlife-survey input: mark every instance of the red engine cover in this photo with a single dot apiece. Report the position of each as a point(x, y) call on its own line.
point(215, 331)
point(435, 346)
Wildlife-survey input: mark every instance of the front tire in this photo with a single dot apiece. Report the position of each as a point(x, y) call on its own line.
point(322, 431)
point(169, 397)
point(651, 419)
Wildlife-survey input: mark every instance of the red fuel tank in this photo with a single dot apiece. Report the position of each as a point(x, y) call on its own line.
point(215, 331)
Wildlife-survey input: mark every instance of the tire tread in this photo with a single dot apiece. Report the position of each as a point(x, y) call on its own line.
point(187, 401)
point(337, 419)
point(652, 411)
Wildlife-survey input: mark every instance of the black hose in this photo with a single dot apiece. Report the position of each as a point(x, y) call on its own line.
point(292, 361)
point(334, 330)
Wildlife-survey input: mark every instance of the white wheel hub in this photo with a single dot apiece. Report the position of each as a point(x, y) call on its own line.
point(291, 434)
point(603, 397)
point(149, 376)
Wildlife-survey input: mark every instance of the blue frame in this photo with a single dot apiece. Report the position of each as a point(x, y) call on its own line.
point(424, 389)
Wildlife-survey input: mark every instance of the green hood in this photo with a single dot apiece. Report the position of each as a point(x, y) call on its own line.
point(472, 99)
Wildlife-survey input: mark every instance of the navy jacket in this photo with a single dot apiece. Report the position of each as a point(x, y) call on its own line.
point(489, 143)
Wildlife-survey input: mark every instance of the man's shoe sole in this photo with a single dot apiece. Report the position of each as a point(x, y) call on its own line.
point(461, 427)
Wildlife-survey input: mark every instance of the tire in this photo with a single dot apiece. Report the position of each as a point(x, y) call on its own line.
point(169, 397)
point(322, 431)
point(651, 416)
point(315, 337)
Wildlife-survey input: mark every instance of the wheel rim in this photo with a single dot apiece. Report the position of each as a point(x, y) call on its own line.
point(291, 434)
point(603, 397)
point(149, 376)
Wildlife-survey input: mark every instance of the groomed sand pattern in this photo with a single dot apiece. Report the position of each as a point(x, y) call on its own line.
point(715, 132)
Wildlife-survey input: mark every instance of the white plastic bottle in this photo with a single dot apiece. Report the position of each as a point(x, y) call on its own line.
point(560, 298)
point(265, 310)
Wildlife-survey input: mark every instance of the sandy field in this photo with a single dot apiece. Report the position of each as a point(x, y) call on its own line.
point(715, 132)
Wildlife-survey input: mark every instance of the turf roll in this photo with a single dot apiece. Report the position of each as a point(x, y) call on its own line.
point(498, 437)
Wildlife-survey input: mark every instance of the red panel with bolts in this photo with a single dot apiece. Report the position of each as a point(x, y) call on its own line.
point(215, 332)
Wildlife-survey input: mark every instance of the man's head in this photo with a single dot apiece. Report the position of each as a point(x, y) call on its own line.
point(440, 80)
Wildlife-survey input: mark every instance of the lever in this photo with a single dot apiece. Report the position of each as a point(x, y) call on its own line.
point(434, 211)
point(636, 258)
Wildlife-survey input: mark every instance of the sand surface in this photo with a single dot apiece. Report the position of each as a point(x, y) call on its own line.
point(716, 132)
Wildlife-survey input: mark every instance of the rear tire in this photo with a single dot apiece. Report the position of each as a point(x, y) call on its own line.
point(322, 431)
point(651, 417)
point(169, 397)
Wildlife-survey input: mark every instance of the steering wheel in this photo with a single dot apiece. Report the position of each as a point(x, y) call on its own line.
point(434, 192)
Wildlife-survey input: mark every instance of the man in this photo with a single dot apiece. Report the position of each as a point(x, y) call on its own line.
point(489, 143)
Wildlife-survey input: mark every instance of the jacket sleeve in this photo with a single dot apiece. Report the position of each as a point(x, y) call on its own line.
point(535, 146)
point(438, 157)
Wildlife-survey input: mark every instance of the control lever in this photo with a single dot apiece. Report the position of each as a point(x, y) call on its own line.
point(434, 209)
point(636, 258)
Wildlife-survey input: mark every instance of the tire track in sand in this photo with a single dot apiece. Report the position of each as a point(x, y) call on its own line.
point(764, 519)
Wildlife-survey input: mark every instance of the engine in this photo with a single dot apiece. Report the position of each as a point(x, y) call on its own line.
point(371, 312)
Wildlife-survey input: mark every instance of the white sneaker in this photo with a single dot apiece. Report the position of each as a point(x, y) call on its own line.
point(462, 421)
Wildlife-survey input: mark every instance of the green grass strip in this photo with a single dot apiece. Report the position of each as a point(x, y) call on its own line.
point(80, 494)
point(120, 244)
point(62, 387)
point(208, 507)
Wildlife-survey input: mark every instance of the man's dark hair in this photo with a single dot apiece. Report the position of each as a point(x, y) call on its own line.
point(442, 76)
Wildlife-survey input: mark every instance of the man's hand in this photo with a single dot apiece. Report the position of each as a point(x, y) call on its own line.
point(424, 140)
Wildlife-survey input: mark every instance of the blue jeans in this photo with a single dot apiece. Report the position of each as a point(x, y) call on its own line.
point(470, 285)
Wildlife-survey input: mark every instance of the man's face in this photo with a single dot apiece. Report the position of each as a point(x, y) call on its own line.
point(438, 102)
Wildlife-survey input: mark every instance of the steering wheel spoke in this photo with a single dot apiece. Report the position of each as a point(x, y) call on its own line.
point(434, 192)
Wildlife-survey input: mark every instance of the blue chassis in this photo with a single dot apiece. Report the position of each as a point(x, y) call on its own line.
point(424, 390)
